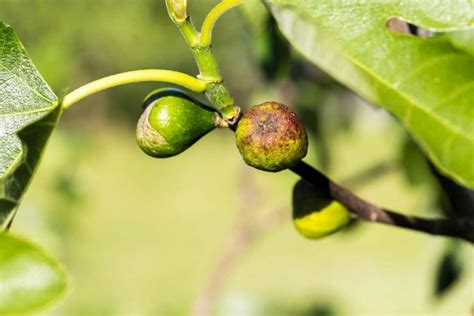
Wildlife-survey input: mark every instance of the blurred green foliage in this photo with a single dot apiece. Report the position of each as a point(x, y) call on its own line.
point(141, 235)
point(73, 42)
point(29, 278)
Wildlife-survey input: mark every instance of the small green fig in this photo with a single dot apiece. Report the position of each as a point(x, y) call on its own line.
point(316, 215)
point(271, 137)
point(172, 121)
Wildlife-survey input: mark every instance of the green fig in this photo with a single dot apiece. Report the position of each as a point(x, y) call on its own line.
point(172, 121)
point(271, 137)
point(315, 214)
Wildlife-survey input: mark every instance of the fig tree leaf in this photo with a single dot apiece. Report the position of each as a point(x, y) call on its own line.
point(29, 278)
point(463, 40)
point(415, 165)
point(28, 113)
point(315, 214)
point(449, 270)
point(426, 83)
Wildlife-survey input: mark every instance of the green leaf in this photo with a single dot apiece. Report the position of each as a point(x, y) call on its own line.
point(315, 214)
point(426, 83)
point(415, 165)
point(28, 113)
point(449, 270)
point(29, 279)
point(463, 40)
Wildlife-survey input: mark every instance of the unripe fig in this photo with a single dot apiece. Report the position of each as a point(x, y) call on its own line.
point(172, 121)
point(271, 137)
point(315, 214)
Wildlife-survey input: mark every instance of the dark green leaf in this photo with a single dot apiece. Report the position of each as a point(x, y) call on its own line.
point(271, 49)
point(414, 163)
point(427, 83)
point(27, 117)
point(449, 270)
point(456, 200)
point(29, 279)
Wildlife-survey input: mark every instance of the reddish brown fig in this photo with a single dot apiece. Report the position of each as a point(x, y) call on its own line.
point(271, 137)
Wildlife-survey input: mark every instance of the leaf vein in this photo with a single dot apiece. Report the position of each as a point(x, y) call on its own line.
point(410, 101)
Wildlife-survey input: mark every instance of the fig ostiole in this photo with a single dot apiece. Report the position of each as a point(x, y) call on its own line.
point(172, 121)
point(315, 214)
point(271, 137)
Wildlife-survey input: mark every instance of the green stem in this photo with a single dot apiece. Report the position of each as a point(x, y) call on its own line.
point(209, 72)
point(205, 59)
point(207, 64)
point(212, 17)
point(177, 9)
point(159, 75)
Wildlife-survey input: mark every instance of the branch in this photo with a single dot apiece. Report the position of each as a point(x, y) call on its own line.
point(462, 228)
point(249, 231)
point(244, 236)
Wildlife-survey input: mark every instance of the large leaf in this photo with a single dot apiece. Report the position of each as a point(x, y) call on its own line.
point(27, 117)
point(463, 40)
point(29, 278)
point(427, 83)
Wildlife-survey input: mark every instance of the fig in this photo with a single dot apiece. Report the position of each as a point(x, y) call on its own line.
point(172, 121)
point(315, 214)
point(271, 137)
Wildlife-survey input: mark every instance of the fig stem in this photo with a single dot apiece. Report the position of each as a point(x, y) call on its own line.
point(213, 16)
point(205, 60)
point(360, 209)
point(217, 93)
point(145, 75)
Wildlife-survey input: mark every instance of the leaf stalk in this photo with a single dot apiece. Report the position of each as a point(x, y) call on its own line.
point(146, 75)
point(200, 46)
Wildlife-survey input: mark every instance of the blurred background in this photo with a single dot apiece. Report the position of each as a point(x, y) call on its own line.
point(202, 231)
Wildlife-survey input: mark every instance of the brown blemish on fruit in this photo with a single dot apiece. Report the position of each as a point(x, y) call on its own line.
point(271, 137)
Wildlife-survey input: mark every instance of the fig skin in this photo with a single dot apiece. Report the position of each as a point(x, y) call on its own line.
point(171, 122)
point(315, 213)
point(271, 137)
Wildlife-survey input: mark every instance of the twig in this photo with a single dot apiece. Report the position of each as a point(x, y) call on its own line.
point(247, 233)
point(462, 228)
point(244, 236)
